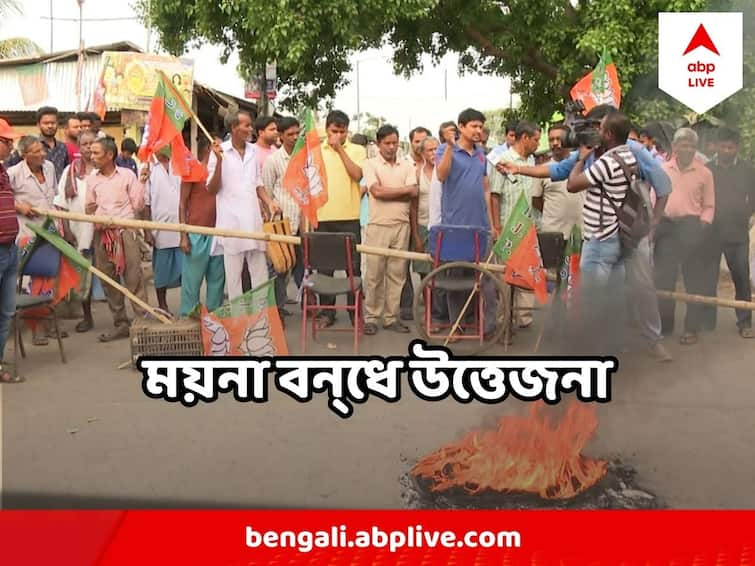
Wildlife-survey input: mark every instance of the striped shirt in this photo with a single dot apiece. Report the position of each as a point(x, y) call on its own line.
point(272, 178)
point(8, 221)
point(605, 172)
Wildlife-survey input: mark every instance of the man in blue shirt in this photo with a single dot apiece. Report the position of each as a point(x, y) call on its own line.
point(639, 271)
point(465, 197)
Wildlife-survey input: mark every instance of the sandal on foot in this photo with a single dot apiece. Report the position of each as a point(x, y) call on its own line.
point(51, 334)
point(111, 336)
point(746, 332)
point(324, 322)
point(40, 340)
point(370, 329)
point(688, 339)
point(84, 326)
point(8, 374)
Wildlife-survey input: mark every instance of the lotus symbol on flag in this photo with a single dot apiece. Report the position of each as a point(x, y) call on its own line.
point(220, 342)
point(257, 340)
point(313, 176)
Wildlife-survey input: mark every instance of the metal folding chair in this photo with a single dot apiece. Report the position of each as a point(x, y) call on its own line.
point(329, 251)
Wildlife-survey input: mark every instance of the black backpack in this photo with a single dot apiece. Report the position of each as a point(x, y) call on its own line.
point(635, 212)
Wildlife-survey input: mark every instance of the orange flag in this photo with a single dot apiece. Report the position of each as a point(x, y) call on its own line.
point(305, 177)
point(248, 326)
point(518, 249)
point(601, 86)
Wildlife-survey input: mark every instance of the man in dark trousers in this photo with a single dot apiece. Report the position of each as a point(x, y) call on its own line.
point(734, 181)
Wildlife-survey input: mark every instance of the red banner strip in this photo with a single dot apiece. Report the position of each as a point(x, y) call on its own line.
point(681, 538)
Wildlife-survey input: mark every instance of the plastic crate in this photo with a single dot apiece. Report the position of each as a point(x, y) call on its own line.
point(153, 338)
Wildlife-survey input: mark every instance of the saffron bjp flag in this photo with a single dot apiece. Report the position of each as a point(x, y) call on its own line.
point(601, 86)
point(305, 178)
point(518, 249)
point(165, 122)
point(569, 272)
point(247, 326)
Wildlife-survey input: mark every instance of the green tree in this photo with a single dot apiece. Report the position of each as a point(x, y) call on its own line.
point(368, 124)
point(544, 46)
point(15, 46)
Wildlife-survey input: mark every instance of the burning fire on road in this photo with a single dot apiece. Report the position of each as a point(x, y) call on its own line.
point(529, 461)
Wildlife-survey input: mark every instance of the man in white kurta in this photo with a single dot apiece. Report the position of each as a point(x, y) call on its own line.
point(236, 186)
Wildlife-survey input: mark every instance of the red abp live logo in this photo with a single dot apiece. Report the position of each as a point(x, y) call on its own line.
point(700, 57)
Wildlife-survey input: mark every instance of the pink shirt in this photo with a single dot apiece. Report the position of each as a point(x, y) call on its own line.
point(262, 154)
point(120, 195)
point(692, 191)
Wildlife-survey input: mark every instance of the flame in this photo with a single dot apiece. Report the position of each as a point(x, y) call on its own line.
point(524, 454)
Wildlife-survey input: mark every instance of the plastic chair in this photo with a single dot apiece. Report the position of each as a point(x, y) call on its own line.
point(329, 251)
point(49, 267)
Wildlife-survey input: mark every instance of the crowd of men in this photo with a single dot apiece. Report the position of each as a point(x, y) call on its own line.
point(702, 210)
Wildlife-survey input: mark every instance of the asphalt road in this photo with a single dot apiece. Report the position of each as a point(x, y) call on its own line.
point(83, 434)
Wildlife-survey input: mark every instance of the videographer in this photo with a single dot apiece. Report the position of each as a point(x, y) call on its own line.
point(643, 300)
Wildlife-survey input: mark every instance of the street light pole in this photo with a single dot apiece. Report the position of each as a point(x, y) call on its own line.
point(359, 111)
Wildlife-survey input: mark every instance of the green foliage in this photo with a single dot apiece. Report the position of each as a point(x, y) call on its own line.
point(368, 124)
point(544, 46)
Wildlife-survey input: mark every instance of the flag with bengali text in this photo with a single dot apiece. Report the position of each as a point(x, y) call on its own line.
point(164, 125)
point(518, 249)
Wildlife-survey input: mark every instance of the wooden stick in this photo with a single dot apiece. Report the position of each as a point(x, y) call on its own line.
point(702, 300)
point(466, 306)
point(186, 105)
point(103, 277)
point(226, 233)
point(401, 254)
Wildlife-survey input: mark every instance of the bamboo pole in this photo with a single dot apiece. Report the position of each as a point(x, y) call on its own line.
point(401, 254)
point(702, 300)
point(103, 277)
point(226, 233)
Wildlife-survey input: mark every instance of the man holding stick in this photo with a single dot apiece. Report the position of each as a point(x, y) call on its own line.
point(197, 207)
point(115, 191)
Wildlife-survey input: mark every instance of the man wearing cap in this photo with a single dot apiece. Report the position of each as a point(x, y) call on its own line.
point(8, 251)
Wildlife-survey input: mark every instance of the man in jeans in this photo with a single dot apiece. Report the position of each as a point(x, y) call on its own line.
point(640, 277)
point(8, 251)
point(602, 264)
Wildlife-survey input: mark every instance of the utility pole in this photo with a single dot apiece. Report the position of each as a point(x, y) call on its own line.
point(359, 111)
point(149, 24)
point(80, 65)
point(51, 26)
point(263, 110)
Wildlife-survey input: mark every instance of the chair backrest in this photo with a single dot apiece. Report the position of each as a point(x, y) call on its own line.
point(552, 248)
point(457, 243)
point(43, 261)
point(329, 251)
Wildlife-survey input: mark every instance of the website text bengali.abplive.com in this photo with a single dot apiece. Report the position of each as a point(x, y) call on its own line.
point(394, 540)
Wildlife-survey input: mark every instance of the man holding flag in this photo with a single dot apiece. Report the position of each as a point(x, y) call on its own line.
point(234, 179)
point(602, 97)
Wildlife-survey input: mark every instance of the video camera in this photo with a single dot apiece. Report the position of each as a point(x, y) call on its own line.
point(582, 131)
